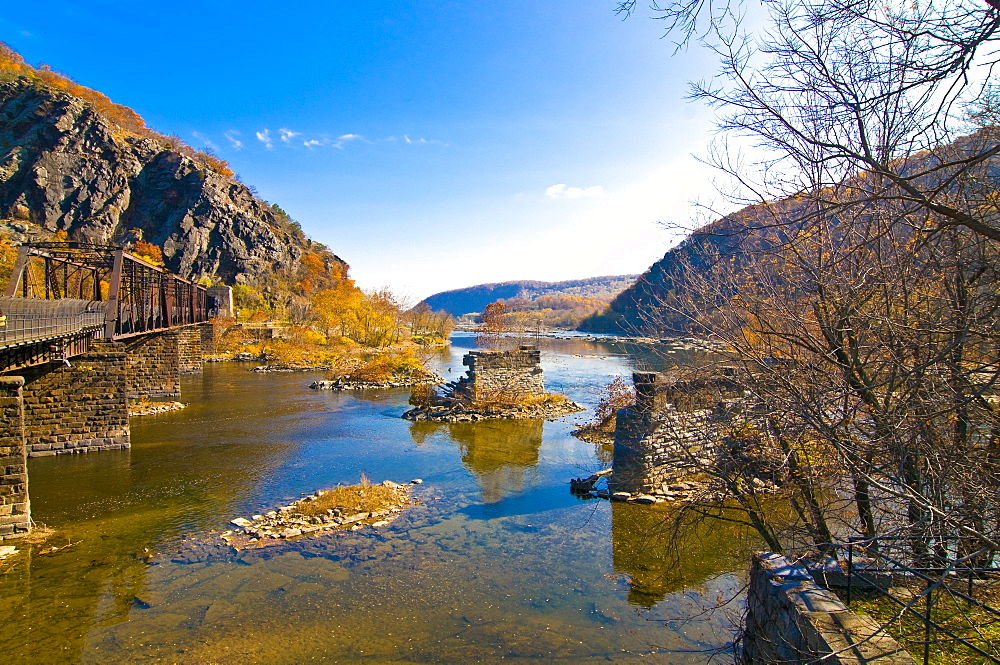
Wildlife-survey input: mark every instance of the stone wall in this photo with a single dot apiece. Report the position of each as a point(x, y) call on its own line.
point(209, 336)
point(15, 514)
point(656, 445)
point(793, 621)
point(509, 373)
point(77, 408)
point(154, 365)
point(189, 350)
point(223, 296)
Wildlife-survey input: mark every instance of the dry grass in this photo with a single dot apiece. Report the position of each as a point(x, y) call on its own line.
point(971, 623)
point(352, 499)
point(509, 398)
point(389, 366)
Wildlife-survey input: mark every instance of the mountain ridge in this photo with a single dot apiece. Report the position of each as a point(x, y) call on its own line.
point(473, 299)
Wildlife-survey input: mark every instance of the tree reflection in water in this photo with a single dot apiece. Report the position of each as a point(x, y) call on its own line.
point(664, 551)
point(502, 454)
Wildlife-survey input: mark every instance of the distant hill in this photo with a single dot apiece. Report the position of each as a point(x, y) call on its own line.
point(660, 301)
point(653, 303)
point(475, 298)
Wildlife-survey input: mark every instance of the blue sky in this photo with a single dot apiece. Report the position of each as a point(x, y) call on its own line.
point(432, 145)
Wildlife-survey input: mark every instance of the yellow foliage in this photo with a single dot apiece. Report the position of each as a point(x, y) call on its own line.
point(148, 252)
point(387, 367)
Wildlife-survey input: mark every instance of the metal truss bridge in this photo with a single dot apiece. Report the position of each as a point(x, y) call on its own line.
point(63, 295)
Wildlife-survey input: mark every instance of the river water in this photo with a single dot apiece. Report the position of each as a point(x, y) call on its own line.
point(499, 562)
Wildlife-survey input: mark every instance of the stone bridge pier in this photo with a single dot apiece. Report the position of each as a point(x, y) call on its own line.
point(155, 363)
point(15, 515)
point(81, 405)
point(671, 432)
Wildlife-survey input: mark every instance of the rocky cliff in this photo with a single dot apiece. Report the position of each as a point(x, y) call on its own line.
point(66, 166)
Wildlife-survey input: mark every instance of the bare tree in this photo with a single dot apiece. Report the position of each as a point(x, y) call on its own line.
point(858, 295)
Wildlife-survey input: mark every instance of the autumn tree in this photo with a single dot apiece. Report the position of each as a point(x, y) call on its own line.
point(426, 324)
point(378, 318)
point(494, 326)
point(148, 251)
point(332, 309)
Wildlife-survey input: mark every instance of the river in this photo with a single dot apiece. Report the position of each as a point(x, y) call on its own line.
point(498, 562)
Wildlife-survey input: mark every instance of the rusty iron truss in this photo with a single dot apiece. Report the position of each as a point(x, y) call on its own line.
point(63, 295)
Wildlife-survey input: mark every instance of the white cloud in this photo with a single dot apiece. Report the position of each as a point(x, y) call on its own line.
point(419, 141)
point(205, 140)
point(231, 135)
point(313, 141)
point(561, 191)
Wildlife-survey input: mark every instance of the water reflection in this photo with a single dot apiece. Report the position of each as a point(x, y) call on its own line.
point(497, 560)
point(501, 453)
point(663, 551)
point(53, 598)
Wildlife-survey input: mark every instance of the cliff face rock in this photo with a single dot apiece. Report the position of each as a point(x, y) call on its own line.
point(68, 168)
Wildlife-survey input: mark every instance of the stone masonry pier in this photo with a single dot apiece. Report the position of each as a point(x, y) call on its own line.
point(513, 373)
point(77, 407)
point(657, 444)
point(15, 518)
point(82, 405)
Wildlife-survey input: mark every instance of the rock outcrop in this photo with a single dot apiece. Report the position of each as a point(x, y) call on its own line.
point(65, 166)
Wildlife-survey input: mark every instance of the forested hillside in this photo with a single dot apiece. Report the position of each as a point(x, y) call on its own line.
point(658, 302)
point(668, 299)
point(474, 299)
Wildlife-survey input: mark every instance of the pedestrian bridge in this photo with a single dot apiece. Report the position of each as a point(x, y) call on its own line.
point(64, 295)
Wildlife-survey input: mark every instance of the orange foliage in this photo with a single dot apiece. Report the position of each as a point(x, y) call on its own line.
point(148, 251)
point(319, 270)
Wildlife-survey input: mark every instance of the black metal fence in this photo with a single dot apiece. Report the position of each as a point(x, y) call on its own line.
point(945, 571)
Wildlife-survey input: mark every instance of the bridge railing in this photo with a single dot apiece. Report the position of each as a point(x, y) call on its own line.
point(30, 319)
point(141, 297)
